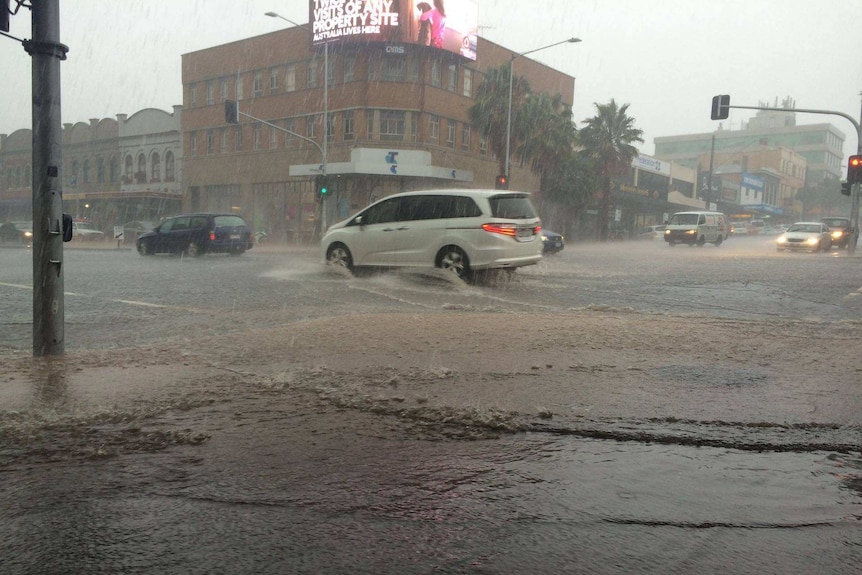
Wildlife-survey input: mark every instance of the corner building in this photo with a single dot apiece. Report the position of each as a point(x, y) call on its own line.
point(397, 120)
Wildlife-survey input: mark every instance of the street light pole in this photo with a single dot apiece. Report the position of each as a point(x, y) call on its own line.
point(511, 73)
point(325, 101)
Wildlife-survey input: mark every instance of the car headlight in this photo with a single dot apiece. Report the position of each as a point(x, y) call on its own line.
point(837, 234)
point(28, 234)
point(781, 240)
point(690, 232)
point(811, 241)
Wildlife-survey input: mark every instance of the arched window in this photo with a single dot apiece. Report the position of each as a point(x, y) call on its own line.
point(169, 167)
point(129, 169)
point(156, 167)
point(141, 175)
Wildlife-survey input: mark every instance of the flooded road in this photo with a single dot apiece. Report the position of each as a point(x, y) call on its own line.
point(304, 422)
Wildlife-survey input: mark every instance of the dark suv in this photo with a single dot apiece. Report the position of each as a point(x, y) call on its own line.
point(842, 231)
point(197, 234)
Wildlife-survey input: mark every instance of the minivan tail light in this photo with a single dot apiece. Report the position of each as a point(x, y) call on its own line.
point(503, 229)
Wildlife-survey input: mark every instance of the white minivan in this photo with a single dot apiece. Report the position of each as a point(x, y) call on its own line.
point(458, 230)
point(696, 228)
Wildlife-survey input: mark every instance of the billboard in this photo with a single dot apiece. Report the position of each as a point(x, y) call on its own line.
point(450, 25)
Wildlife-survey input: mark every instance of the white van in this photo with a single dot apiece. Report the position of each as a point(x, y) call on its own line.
point(696, 228)
point(458, 230)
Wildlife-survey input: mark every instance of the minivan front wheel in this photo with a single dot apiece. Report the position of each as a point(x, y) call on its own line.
point(454, 260)
point(338, 255)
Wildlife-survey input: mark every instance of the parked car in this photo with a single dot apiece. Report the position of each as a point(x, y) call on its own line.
point(196, 235)
point(552, 242)
point(842, 231)
point(738, 229)
point(459, 230)
point(86, 232)
point(652, 233)
point(808, 236)
point(756, 227)
point(131, 230)
point(16, 233)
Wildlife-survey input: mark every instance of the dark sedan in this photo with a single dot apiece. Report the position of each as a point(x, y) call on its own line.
point(16, 233)
point(196, 235)
point(552, 242)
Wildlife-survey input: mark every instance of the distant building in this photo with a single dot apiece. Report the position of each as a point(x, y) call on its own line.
point(113, 171)
point(821, 145)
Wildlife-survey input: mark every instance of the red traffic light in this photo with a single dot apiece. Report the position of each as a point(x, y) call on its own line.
point(854, 169)
point(502, 182)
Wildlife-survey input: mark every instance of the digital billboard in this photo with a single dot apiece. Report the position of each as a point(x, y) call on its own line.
point(450, 25)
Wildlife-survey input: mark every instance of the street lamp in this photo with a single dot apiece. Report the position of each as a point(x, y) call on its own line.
point(325, 85)
point(511, 72)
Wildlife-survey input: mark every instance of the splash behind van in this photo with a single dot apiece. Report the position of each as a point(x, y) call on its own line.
point(697, 228)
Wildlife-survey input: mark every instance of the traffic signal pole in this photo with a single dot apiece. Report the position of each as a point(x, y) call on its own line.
point(720, 106)
point(48, 305)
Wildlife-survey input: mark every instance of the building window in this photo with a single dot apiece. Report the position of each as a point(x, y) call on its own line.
point(210, 141)
point(156, 168)
point(311, 126)
point(222, 89)
point(273, 80)
point(237, 138)
point(273, 137)
point(290, 78)
point(193, 143)
point(239, 93)
point(468, 83)
point(349, 126)
point(290, 126)
point(330, 127)
point(483, 145)
point(258, 128)
point(193, 94)
point(257, 88)
point(224, 139)
point(349, 67)
point(369, 123)
point(436, 74)
point(434, 129)
point(128, 172)
point(465, 137)
point(210, 92)
point(450, 133)
point(452, 78)
point(394, 68)
point(311, 80)
point(170, 173)
point(391, 125)
point(141, 175)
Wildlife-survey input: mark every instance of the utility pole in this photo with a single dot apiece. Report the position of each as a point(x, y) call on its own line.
point(47, 52)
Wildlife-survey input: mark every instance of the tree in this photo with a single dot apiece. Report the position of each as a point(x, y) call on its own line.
point(490, 112)
point(607, 140)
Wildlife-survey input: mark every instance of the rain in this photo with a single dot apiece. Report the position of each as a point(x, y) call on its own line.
point(623, 404)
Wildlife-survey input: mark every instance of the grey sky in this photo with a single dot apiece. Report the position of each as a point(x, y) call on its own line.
point(666, 58)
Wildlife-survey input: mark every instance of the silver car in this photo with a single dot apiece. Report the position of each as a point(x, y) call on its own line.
point(807, 236)
point(460, 230)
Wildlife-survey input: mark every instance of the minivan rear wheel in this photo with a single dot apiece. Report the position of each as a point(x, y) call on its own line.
point(454, 260)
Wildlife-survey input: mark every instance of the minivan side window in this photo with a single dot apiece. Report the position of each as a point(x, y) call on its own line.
point(166, 226)
point(181, 224)
point(701, 220)
point(383, 212)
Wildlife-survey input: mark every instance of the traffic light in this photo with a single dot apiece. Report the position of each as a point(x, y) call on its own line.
point(67, 228)
point(854, 170)
point(845, 188)
point(502, 182)
point(231, 112)
point(720, 107)
point(322, 184)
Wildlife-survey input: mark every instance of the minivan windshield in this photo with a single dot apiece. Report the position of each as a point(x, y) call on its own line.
point(683, 220)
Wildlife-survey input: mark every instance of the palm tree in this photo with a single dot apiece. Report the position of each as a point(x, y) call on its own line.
point(489, 114)
point(607, 140)
point(549, 133)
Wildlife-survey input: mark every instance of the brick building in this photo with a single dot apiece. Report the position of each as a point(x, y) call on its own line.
point(397, 120)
